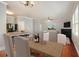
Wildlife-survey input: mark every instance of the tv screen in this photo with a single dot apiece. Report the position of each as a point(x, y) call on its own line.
point(67, 24)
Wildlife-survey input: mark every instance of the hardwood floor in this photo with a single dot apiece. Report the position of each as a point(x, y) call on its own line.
point(68, 51)
point(2, 54)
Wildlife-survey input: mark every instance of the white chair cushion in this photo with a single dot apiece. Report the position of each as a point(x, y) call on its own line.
point(61, 39)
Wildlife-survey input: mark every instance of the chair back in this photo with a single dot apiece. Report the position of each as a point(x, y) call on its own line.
point(8, 46)
point(53, 35)
point(61, 39)
point(46, 36)
point(21, 47)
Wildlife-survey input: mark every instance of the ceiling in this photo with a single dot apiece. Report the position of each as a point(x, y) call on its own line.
point(43, 9)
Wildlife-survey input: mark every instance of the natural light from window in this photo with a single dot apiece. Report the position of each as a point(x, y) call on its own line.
point(75, 22)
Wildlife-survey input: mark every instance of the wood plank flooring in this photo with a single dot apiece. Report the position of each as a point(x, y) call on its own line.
point(69, 51)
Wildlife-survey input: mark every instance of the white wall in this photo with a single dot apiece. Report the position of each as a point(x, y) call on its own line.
point(44, 24)
point(25, 23)
point(36, 26)
point(11, 19)
point(2, 24)
point(40, 25)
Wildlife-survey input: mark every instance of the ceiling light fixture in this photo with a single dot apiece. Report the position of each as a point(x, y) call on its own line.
point(50, 18)
point(28, 3)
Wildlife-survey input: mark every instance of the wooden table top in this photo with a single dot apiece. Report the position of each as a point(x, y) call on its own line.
point(50, 48)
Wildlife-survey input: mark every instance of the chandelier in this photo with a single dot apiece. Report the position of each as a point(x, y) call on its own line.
point(28, 3)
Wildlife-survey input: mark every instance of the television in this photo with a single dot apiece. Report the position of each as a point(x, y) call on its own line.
point(67, 24)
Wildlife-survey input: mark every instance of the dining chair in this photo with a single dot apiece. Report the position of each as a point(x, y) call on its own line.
point(41, 36)
point(21, 47)
point(53, 35)
point(8, 46)
point(61, 38)
point(46, 36)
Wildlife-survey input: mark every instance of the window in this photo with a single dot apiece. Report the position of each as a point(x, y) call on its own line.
point(75, 22)
point(51, 25)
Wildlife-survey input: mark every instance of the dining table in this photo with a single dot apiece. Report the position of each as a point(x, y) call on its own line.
point(49, 48)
